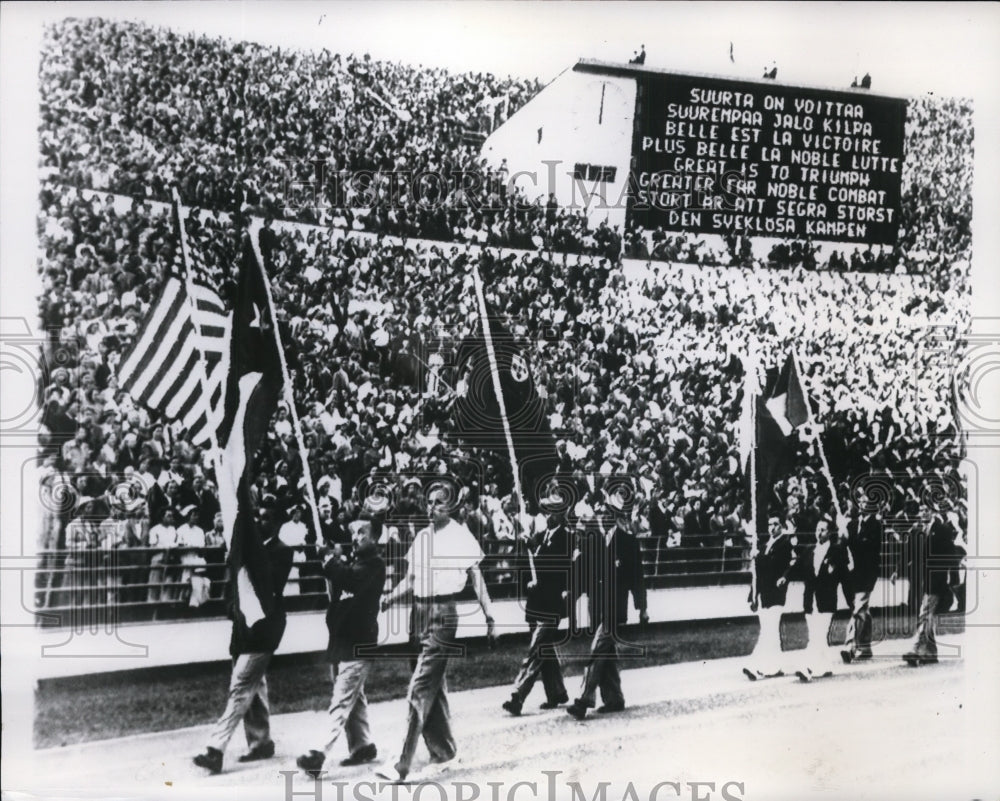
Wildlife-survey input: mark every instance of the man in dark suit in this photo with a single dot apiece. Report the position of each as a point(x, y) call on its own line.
point(697, 523)
point(826, 567)
point(251, 647)
point(352, 619)
point(203, 499)
point(546, 605)
point(773, 563)
point(617, 573)
point(865, 533)
point(944, 546)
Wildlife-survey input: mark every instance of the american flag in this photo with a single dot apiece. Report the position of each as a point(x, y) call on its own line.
point(178, 363)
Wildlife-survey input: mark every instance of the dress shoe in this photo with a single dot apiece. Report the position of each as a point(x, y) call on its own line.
point(367, 753)
point(604, 709)
point(263, 751)
point(804, 675)
point(513, 706)
point(312, 763)
point(913, 659)
point(752, 674)
point(577, 710)
point(553, 704)
point(211, 760)
point(389, 773)
point(846, 656)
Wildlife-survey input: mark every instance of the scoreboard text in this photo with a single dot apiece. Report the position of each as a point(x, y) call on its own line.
point(736, 157)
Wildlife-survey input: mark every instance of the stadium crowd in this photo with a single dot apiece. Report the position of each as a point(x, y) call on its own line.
point(384, 147)
point(640, 365)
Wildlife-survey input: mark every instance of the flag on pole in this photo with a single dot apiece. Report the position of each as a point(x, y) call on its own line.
point(161, 370)
point(745, 425)
point(476, 414)
point(253, 387)
point(787, 402)
point(775, 415)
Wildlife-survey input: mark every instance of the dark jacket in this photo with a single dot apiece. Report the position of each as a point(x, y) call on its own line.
point(612, 571)
point(934, 559)
point(864, 538)
point(552, 567)
point(628, 574)
point(265, 635)
point(773, 564)
point(352, 617)
point(821, 585)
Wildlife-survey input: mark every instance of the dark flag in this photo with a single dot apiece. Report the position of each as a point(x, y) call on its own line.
point(787, 401)
point(476, 413)
point(777, 412)
point(252, 391)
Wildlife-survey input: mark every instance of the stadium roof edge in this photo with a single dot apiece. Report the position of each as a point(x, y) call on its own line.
point(618, 69)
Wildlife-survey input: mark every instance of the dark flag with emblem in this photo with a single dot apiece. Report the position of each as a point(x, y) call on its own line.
point(252, 391)
point(476, 414)
point(769, 418)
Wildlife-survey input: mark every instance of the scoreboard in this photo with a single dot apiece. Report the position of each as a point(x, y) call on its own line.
point(719, 156)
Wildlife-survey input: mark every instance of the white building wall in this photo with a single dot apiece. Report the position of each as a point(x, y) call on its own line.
point(579, 118)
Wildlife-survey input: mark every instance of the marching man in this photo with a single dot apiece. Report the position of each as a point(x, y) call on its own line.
point(545, 607)
point(352, 619)
point(827, 569)
point(773, 563)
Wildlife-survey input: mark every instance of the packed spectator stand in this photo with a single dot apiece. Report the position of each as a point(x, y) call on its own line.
point(635, 340)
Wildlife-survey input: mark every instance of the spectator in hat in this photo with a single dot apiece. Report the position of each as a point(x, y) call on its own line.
point(82, 542)
point(117, 536)
point(162, 574)
point(215, 555)
point(191, 544)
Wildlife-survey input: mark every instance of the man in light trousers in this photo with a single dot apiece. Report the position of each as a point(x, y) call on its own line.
point(442, 558)
point(352, 619)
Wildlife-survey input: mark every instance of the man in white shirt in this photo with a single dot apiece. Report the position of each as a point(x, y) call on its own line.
point(163, 535)
point(293, 533)
point(442, 558)
point(192, 536)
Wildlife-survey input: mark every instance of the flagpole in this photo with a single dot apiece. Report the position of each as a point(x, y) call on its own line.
point(753, 500)
point(495, 375)
point(287, 391)
point(819, 442)
point(202, 369)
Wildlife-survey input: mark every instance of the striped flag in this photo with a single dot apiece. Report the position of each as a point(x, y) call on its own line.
point(178, 362)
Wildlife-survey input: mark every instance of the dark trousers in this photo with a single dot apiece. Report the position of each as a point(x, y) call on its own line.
point(859, 629)
point(926, 620)
point(601, 672)
point(542, 660)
